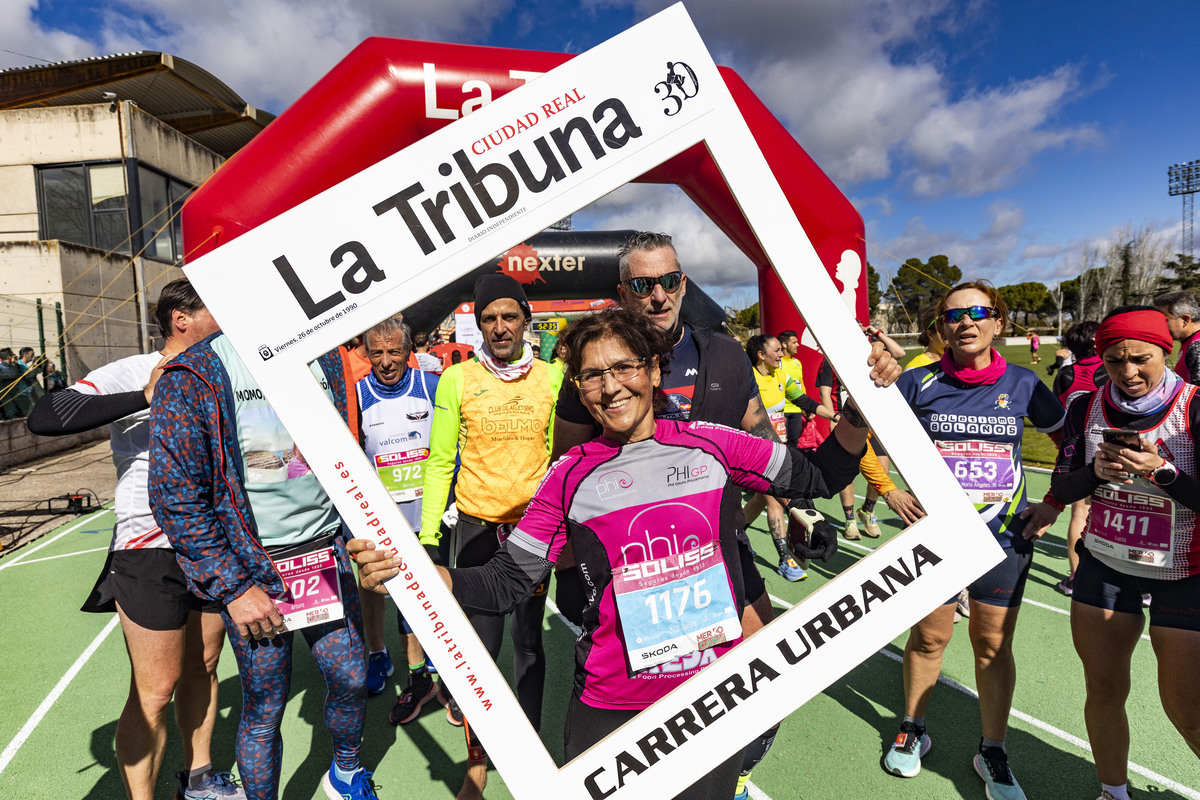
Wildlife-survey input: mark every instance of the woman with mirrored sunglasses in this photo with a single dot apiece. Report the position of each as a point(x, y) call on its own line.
point(972, 404)
point(1131, 447)
point(640, 504)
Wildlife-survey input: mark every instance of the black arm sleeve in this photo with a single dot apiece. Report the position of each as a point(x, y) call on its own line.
point(807, 404)
point(496, 587)
point(570, 407)
point(69, 411)
point(816, 473)
point(1062, 381)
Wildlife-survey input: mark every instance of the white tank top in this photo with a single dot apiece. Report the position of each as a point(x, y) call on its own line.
point(396, 421)
point(1137, 528)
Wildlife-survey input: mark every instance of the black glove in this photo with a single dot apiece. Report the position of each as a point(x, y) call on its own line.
point(811, 536)
point(434, 554)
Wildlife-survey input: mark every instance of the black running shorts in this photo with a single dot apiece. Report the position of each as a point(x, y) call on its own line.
point(150, 588)
point(1173, 604)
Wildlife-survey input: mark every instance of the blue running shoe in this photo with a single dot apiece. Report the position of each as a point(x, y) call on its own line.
point(359, 787)
point(904, 756)
point(215, 786)
point(744, 794)
point(379, 669)
point(790, 570)
point(991, 764)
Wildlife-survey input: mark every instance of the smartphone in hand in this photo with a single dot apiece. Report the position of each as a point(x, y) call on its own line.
point(1122, 437)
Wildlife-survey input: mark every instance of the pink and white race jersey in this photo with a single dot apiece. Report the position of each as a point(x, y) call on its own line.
point(644, 522)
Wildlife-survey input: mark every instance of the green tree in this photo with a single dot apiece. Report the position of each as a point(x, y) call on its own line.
point(1026, 298)
point(918, 284)
point(1070, 292)
point(1185, 275)
point(746, 318)
point(874, 293)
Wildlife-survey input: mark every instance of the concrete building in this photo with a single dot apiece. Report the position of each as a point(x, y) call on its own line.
point(96, 159)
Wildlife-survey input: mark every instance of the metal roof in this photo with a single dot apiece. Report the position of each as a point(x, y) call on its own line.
point(178, 92)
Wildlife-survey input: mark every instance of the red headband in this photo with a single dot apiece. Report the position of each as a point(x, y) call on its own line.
point(1145, 326)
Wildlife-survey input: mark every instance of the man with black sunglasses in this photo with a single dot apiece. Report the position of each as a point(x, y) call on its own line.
point(710, 380)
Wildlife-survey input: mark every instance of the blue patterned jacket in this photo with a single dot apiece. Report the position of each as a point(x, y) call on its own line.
point(197, 489)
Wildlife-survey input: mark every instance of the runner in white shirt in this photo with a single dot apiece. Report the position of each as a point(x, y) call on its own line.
point(173, 637)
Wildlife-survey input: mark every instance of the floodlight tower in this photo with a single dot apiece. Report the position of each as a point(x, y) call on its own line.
point(1184, 179)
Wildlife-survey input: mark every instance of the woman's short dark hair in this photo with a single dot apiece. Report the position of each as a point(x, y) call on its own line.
point(643, 338)
point(756, 345)
point(176, 295)
point(1080, 339)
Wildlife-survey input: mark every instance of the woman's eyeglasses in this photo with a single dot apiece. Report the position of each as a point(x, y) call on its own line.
point(624, 371)
point(953, 316)
point(644, 286)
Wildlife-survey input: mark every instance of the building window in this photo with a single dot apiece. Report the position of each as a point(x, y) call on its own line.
point(90, 204)
point(161, 199)
point(86, 204)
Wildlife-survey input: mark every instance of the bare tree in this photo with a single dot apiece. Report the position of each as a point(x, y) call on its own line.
point(1058, 296)
point(1133, 266)
point(1089, 283)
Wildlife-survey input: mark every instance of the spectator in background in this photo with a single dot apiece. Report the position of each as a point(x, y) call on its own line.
point(426, 361)
point(929, 339)
point(1183, 320)
point(10, 384)
point(54, 380)
point(1083, 374)
point(834, 397)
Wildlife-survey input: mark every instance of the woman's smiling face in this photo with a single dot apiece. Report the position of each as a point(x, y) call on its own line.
point(624, 409)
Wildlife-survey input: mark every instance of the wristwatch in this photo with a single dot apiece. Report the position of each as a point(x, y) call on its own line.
point(1164, 475)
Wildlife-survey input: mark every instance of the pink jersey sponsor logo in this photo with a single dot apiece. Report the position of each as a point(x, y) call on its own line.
point(613, 484)
point(666, 529)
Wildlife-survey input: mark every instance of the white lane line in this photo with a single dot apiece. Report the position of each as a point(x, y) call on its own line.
point(1041, 541)
point(1037, 723)
point(61, 555)
point(32, 723)
point(1026, 601)
point(20, 556)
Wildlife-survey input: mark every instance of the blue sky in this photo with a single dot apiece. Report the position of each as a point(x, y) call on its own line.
point(1008, 134)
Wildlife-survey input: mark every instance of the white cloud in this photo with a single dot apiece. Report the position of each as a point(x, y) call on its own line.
point(706, 253)
point(865, 89)
point(268, 51)
point(25, 41)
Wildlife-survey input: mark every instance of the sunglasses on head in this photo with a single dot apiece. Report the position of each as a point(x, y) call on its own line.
point(977, 313)
point(644, 286)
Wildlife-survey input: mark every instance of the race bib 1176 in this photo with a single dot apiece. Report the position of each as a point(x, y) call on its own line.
point(675, 605)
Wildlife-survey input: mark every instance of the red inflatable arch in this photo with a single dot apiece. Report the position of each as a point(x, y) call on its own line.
point(389, 93)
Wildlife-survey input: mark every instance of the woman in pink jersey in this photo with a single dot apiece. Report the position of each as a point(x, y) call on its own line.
point(639, 504)
point(1131, 447)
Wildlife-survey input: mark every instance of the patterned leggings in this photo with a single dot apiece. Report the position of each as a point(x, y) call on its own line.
point(266, 672)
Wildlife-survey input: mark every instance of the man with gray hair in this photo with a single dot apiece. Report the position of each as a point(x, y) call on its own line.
point(1183, 319)
point(395, 416)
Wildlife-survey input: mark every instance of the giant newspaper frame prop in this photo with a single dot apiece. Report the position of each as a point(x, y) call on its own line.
point(404, 227)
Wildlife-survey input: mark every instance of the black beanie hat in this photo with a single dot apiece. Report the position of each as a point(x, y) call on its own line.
point(490, 288)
